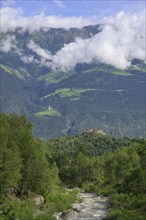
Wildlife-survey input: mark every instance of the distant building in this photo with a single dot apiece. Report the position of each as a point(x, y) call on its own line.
point(98, 131)
point(89, 130)
point(50, 108)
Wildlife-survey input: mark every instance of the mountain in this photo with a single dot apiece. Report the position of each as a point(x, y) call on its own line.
point(68, 101)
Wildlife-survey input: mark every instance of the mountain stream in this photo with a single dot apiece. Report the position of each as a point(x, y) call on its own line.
point(92, 207)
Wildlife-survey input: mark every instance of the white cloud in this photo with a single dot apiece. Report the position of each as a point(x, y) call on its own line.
point(23, 57)
point(8, 43)
point(39, 51)
point(59, 3)
point(27, 59)
point(8, 18)
point(45, 56)
point(121, 39)
point(13, 18)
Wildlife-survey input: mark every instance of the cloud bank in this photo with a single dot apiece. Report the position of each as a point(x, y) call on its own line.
point(8, 43)
point(121, 40)
point(11, 19)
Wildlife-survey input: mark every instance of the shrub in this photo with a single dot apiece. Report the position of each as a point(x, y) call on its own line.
point(88, 186)
point(45, 216)
point(19, 210)
point(58, 201)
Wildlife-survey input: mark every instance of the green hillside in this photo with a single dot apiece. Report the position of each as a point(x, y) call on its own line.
point(21, 73)
point(92, 95)
point(51, 113)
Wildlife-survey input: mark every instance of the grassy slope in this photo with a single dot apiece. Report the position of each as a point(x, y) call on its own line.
point(21, 73)
point(54, 76)
point(51, 113)
point(67, 92)
point(111, 69)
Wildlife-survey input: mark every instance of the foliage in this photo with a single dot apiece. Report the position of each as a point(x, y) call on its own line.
point(109, 166)
point(75, 156)
point(129, 207)
point(11, 161)
point(19, 209)
point(24, 169)
point(58, 201)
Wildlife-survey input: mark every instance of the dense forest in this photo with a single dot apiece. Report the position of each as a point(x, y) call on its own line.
point(108, 166)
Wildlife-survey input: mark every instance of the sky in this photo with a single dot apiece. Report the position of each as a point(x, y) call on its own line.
point(121, 39)
point(85, 8)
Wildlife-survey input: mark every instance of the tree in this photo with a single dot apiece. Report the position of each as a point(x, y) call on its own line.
point(10, 160)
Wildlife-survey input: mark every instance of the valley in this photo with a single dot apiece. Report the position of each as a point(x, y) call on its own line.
point(91, 96)
point(72, 110)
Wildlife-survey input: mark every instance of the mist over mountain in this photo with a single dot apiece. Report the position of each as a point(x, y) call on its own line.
point(68, 80)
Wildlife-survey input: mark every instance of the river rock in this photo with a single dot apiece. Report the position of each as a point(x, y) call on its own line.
point(67, 215)
point(39, 200)
point(76, 207)
point(57, 216)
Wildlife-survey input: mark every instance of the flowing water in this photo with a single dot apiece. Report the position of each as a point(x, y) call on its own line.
point(92, 207)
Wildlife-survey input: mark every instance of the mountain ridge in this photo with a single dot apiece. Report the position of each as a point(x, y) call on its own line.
point(92, 95)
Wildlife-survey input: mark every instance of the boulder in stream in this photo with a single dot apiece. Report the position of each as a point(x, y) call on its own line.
point(76, 207)
point(67, 215)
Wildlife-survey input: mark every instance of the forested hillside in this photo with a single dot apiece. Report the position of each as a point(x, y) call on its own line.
point(68, 101)
point(26, 172)
point(108, 166)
